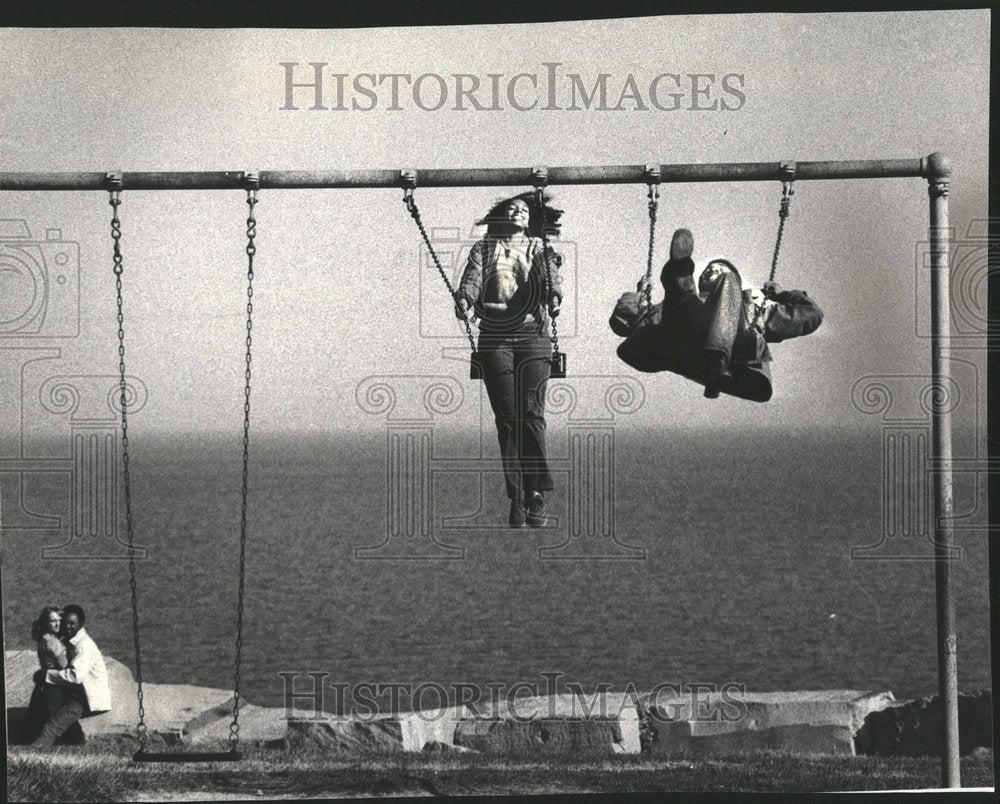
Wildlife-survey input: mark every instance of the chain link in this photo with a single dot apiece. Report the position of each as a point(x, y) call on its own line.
point(540, 200)
point(251, 249)
point(411, 206)
point(142, 733)
point(645, 295)
point(787, 191)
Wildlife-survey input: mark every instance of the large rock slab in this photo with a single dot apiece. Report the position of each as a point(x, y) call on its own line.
point(20, 666)
point(21, 729)
point(257, 723)
point(168, 707)
point(815, 721)
point(405, 732)
point(541, 736)
point(344, 736)
point(913, 728)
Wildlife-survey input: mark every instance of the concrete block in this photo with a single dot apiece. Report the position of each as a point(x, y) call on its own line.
point(559, 736)
point(605, 723)
point(816, 721)
point(430, 726)
point(697, 739)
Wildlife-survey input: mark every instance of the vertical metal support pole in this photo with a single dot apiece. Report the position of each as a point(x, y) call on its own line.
point(939, 171)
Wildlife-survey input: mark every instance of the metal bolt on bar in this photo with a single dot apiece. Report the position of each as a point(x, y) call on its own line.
point(935, 168)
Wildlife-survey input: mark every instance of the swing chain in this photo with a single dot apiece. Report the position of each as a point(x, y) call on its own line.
point(114, 184)
point(252, 183)
point(787, 171)
point(539, 177)
point(653, 180)
point(409, 183)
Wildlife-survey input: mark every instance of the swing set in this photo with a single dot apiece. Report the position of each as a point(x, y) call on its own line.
point(934, 168)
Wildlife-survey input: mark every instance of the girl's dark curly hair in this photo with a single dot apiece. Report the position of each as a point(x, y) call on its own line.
point(496, 222)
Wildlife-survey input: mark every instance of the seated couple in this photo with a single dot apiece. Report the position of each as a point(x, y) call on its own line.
point(73, 680)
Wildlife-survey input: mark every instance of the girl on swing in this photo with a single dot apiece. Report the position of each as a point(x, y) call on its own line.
point(504, 284)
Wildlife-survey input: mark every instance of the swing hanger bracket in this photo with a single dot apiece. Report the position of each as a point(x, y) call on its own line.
point(539, 177)
point(786, 172)
point(250, 181)
point(408, 181)
point(652, 176)
point(113, 182)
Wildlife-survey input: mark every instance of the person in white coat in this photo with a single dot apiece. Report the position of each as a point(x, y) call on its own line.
point(84, 682)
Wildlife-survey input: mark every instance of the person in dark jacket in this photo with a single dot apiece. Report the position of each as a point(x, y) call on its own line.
point(506, 283)
point(52, 655)
point(716, 333)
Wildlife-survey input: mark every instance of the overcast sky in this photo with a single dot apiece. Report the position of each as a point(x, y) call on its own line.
point(340, 293)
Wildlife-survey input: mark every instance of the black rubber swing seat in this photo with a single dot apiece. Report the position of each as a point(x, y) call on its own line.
point(188, 756)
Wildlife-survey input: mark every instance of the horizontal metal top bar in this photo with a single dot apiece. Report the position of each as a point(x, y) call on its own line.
point(933, 166)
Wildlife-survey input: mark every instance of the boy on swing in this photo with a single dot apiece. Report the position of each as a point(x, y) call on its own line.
point(715, 333)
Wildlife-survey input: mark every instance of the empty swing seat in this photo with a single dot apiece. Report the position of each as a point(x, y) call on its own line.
point(187, 756)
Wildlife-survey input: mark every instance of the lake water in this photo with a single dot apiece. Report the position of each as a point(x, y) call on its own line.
point(746, 575)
